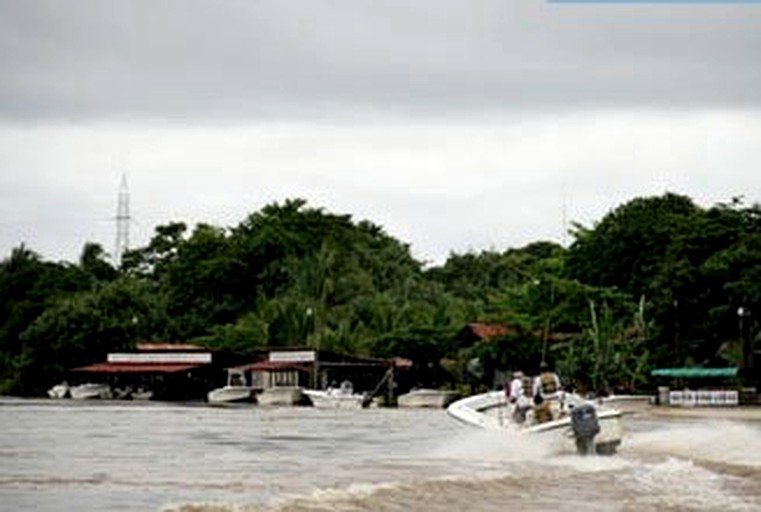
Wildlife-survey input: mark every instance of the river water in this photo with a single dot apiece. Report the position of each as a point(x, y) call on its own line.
point(129, 456)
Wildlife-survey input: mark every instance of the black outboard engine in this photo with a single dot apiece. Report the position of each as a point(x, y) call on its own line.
point(585, 427)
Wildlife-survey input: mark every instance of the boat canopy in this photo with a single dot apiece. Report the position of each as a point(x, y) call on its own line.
point(694, 372)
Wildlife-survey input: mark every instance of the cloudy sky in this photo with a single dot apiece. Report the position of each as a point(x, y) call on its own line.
point(457, 125)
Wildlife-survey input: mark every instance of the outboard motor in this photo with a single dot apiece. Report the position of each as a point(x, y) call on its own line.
point(585, 427)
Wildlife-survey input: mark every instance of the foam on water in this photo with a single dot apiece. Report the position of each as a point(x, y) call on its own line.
point(563, 483)
point(716, 441)
point(474, 469)
point(361, 497)
point(665, 469)
point(681, 484)
point(489, 445)
point(590, 464)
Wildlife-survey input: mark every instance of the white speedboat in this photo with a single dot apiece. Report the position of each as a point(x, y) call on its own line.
point(59, 391)
point(578, 425)
point(90, 391)
point(231, 394)
point(236, 389)
point(342, 397)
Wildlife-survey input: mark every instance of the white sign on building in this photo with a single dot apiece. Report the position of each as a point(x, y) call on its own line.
point(293, 356)
point(160, 357)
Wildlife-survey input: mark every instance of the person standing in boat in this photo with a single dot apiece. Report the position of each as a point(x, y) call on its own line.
point(546, 390)
point(547, 384)
point(517, 397)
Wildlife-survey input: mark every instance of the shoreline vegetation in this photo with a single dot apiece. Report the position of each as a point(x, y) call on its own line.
point(658, 282)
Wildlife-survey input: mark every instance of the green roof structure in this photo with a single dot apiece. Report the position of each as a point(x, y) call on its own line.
point(694, 372)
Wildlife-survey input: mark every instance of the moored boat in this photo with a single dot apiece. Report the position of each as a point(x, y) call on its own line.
point(59, 391)
point(142, 394)
point(430, 398)
point(578, 425)
point(236, 389)
point(342, 397)
point(90, 391)
point(231, 394)
point(282, 395)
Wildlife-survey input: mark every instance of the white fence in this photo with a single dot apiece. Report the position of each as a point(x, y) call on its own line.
point(704, 398)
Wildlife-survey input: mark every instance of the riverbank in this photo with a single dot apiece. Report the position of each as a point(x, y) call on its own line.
point(740, 413)
point(642, 406)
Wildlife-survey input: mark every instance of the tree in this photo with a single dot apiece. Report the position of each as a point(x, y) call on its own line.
point(94, 263)
point(28, 286)
point(82, 328)
point(678, 256)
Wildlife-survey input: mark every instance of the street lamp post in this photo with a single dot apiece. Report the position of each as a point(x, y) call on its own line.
point(316, 367)
point(742, 312)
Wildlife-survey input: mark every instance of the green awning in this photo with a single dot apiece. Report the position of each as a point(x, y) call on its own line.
point(696, 372)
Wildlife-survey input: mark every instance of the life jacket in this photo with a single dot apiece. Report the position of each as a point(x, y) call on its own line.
point(543, 413)
point(528, 385)
point(548, 383)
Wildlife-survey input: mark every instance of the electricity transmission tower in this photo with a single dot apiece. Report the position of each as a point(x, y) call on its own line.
point(122, 222)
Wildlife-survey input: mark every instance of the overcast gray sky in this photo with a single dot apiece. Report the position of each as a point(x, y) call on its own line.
point(456, 125)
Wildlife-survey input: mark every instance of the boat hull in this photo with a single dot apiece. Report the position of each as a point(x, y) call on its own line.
point(490, 411)
point(142, 395)
point(428, 398)
point(281, 396)
point(327, 400)
point(91, 391)
point(231, 394)
point(59, 391)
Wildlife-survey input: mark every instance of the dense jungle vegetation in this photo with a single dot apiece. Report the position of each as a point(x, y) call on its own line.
point(659, 281)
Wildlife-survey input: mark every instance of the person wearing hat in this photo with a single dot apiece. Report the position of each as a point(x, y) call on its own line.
point(547, 384)
point(545, 390)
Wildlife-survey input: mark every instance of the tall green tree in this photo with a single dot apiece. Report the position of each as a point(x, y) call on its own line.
point(82, 328)
point(678, 256)
point(28, 286)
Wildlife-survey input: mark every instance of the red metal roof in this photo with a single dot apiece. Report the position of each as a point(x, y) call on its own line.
point(137, 367)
